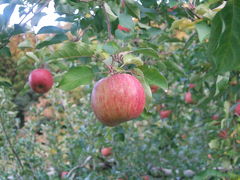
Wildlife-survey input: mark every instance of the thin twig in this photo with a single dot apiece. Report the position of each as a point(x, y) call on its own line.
point(10, 144)
point(110, 37)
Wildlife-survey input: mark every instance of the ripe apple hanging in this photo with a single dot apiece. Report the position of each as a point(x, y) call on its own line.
point(40, 80)
point(117, 98)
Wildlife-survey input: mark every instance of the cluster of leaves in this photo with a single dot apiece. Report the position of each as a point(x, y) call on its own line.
point(169, 45)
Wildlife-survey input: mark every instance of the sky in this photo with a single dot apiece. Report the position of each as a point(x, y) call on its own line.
point(47, 20)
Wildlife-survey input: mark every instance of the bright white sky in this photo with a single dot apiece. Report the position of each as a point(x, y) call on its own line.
point(47, 20)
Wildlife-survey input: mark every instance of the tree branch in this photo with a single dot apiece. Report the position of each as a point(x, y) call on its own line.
point(10, 144)
point(110, 37)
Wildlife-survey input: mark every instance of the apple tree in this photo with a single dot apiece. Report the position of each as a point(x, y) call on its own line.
point(163, 74)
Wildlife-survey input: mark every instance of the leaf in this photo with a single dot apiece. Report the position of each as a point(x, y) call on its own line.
point(25, 44)
point(222, 82)
point(71, 50)
point(214, 144)
point(109, 12)
point(76, 76)
point(7, 13)
point(111, 47)
point(203, 31)
point(5, 82)
point(126, 21)
point(183, 24)
point(36, 19)
point(32, 56)
point(153, 76)
point(51, 29)
point(5, 51)
point(58, 38)
point(224, 42)
point(171, 65)
point(147, 52)
point(131, 59)
point(133, 8)
point(210, 173)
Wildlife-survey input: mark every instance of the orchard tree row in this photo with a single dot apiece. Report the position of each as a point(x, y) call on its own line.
point(120, 89)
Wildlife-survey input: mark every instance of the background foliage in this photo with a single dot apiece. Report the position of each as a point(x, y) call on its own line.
point(168, 44)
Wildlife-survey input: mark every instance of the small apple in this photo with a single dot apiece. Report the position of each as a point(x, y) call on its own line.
point(64, 174)
point(209, 156)
point(106, 151)
point(237, 110)
point(165, 114)
point(171, 9)
point(146, 178)
point(183, 136)
point(215, 117)
point(123, 3)
point(117, 98)
point(121, 28)
point(192, 86)
point(188, 98)
point(223, 134)
point(40, 80)
point(154, 88)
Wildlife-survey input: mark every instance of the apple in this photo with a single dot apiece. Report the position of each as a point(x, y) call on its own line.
point(123, 3)
point(146, 178)
point(117, 98)
point(223, 134)
point(183, 136)
point(192, 86)
point(40, 80)
point(165, 114)
point(106, 151)
point(64, 174)
point(215, 117)
point(209, 156)
point(188, 98)
point(237, 110)
point(121, 28)
point(171, 9)
point(154, 88)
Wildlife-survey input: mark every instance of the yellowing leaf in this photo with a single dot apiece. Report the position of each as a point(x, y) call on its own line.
point(130, 59)
point(183, 24)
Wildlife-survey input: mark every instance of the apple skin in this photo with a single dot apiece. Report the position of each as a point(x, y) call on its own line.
point(215, 117)
point(64, 174)
point(117, 98)
point(40, 80)
point(165, 114)
point(106, 151)
point(223, 134)
point(188, 98)
point(192, 86)
point(146, 178)
point(121, 28)
point(237, 110)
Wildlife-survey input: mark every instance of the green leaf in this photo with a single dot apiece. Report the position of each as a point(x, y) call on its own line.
point(224, 42)
point(7, 13)
point(203, 31)
point(172, 66)
point(131, 59)
point(58, 38)
point(147, 52)
point(153, 76)
point(51, 29)
point(5, 82)
point(76, 76)
point(25, 44)
point(111, 47)
point(5, 51)
point(109, 12)
point(133, 8)
point(36, 19)
point(72, 50)
point(209, 173)
point(222, 82)
point(32, 56)
point(126, 21)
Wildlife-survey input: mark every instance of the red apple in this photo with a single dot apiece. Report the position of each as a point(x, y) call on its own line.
point(40, 80)
point(188, 98)
point(192, 86)
point(215, 117)
point(64, 174)
point(154, 88)
point(165, 114)
point(117, 98)
point(106, 151)
point(123, 3)
point(121, 28)
point(171, 9)
point(209, 156)
point(237, 110)
point(223, 134)
point(146, 178)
